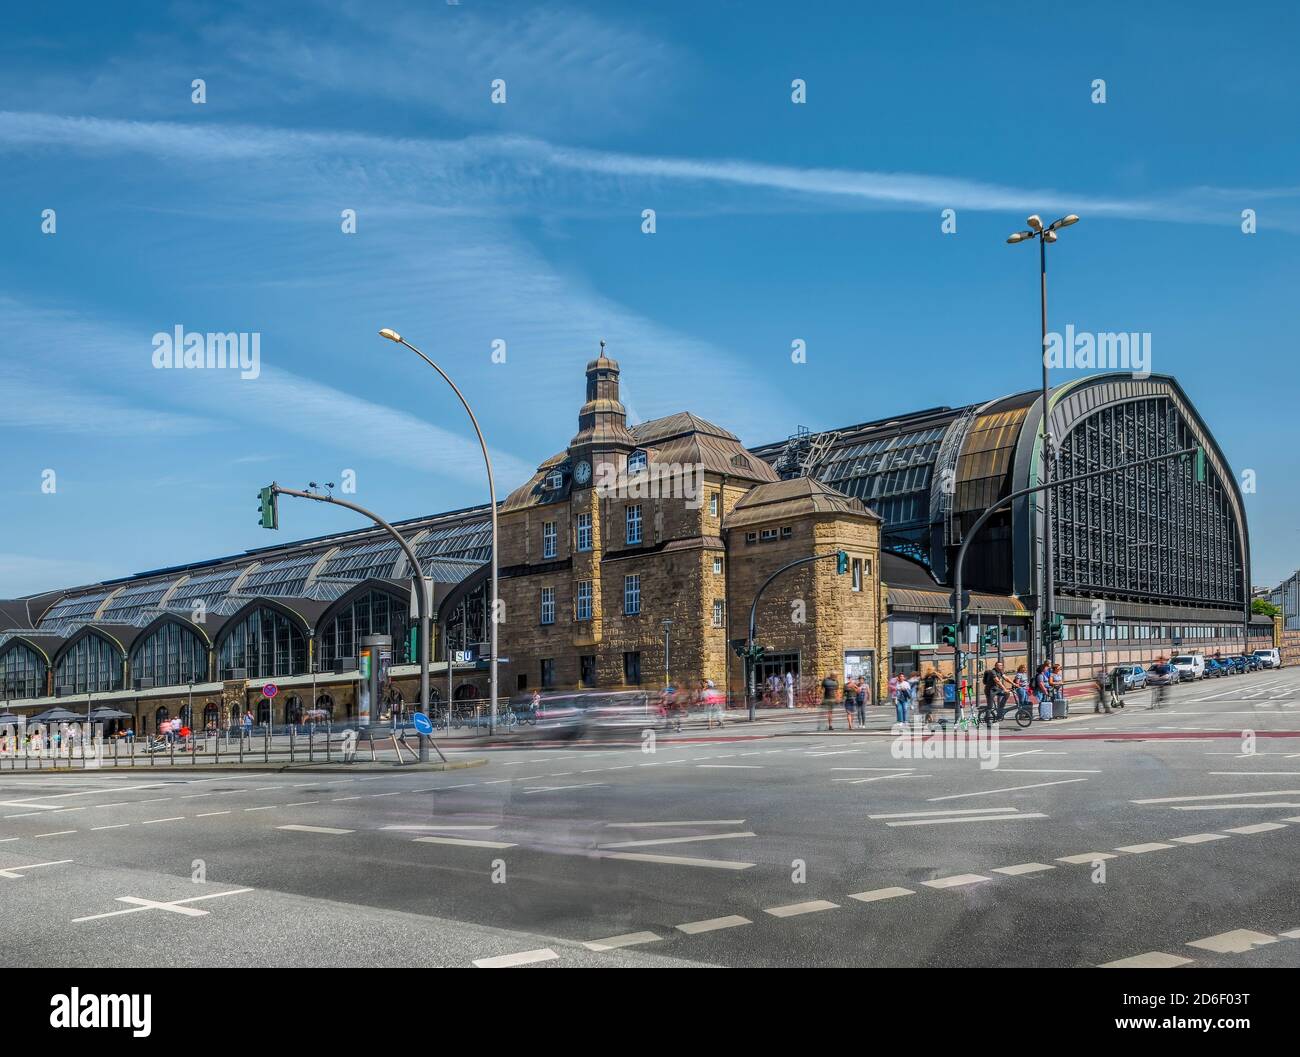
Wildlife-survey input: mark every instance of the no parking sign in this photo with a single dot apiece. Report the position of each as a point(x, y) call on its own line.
point(270, 690)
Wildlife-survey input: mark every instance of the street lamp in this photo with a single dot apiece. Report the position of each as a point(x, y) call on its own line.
point(1044, 235)
point(392, 335)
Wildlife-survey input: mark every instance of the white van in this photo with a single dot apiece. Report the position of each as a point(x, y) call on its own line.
point(1189, 666)
point(1269, 658)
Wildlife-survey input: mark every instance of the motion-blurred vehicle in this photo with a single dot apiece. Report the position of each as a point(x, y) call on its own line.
point(1131, 676)
point(579, 714)
point(1162, 674)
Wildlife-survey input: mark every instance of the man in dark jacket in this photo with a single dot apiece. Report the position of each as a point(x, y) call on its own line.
point(830, 691)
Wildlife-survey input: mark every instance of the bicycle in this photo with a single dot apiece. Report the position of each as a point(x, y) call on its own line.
point(1024, 714)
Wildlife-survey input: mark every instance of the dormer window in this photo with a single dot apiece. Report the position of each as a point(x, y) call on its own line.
point(741, 462)
point(553, 481)
point(636, 462)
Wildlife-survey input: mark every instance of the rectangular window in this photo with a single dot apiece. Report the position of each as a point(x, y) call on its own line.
point(548, 605)
point(548, 539)
point(632, 594)
point(857, 574)
point(717, 566)
point(582, 601)
point(584, 532)
point(587, 670)
point(632, 669)
point(636, 462)
point(548, 673)
point(787, 532)
point(767, 534)
point(751, 537)
point(713, 504)
point(521, 682)
point(719, 613)
point(634, 524)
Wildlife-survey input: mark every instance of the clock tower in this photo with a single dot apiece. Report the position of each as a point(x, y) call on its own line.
point(598, 454)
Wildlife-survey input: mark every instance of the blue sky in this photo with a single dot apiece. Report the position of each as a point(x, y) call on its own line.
point(522, 222)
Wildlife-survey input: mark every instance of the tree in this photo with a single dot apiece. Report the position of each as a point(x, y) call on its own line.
point(1264, 607)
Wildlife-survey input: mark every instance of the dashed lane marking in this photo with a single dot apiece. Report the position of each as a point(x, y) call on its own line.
point(465, 842)
point(1199, 838)
point(627, 940)
point(695, 822)
point(674, 860)
point(881, 893)
point(676, 840)
point(1149, 960)
point(953, 811)
point(1087, 857)
point(1237, 941)
point(209, 814)
point(506, 961)
point(1013, 816)
point(731, 921)
point(956, 880)
point(173, 818)
point(1216, 796)
point(118, 825)
point(1139, 849)
point(1023, 868)
point(316, 829)
point(57, 833)
point(791, 910)
point(1258, 827)
point(1005, 789)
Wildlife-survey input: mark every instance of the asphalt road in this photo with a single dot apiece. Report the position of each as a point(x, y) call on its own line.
point(1168, 836)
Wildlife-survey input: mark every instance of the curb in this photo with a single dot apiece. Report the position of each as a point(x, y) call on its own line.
point(273, 766)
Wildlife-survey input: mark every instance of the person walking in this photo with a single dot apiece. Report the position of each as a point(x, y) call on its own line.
point(850, 699)
point(247, 725)
point(864, 699)
point(929, 694)
point(898, 691)
point(830, 690)
point(789, 689)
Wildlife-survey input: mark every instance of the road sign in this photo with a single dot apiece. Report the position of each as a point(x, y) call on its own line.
point(423, 724)
point(270, 690)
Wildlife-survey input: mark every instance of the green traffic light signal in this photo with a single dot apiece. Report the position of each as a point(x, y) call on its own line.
point(948, 634)
point(268, 508)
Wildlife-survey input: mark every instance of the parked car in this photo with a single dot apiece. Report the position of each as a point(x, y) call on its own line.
point(1269, 658)
point(1131, 676)
point(1214, 668)
point(1162, 674)
point(1253, 663)
point(1190, 665)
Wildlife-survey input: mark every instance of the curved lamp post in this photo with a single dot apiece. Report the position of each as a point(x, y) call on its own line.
point(392, 335)
point(1044, 235)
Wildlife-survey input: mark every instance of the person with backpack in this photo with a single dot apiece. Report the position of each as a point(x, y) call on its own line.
point(929, 694)
point(830, 687)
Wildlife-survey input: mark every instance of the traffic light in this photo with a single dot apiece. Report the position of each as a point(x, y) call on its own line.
point(756, 653)
point(1056, 630)
point(948, 635)
point(268, 508)
point(990, 640)
point(841, 562)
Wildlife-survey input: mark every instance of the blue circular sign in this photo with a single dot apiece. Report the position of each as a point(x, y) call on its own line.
point(423, 724)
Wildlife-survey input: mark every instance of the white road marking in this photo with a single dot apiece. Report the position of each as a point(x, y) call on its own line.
point(440, 829)
point(1199, 838)
point(627, 940)
point(1023, 868)
point(1013, 817)
point(1269, 806)
point(879, 778)
point(302, 803)
point(11, 872)
point(1235, 942)
point(464, 842)
point(264, 807)
point(57, 833)
point(673, 860)
point(956, 881)
point(505, 961)
point(209, 814)
point(1254, 774)
point(176, 906)
point(173, 818)
point(1139, 849)
point(1150, 960)
point(696, 822)
point(791, 910)
point(340, 799)
point(676, 840)
point(119, 825)
point(953, 811)
point(1258, 827)
point(731, 921)
point(1086, 857)
point(315, 829)
point(1216, 796)
point(729, 766)
point(881, 893)
point(560, 788)
point(1005, 789)
point(1047, 770)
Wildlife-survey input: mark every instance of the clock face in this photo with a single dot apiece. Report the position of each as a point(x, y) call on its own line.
point(582, 472)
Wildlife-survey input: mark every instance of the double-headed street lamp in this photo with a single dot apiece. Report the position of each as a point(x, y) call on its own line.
point(1044, 235)
point(392, 335)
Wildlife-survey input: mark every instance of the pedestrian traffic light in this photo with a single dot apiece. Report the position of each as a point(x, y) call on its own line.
point(948, 635)
point(268, 508)
point(756, 652)
point(1056, 630)
point(990, 639)
point(841, 562)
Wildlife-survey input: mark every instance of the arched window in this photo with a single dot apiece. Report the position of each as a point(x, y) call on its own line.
point(92, 665)
point(22, 672)
point(211, 716)
point(324, 709)
point(265, 643)
point(371, 613)
point(172, 655)
point(161, 716)
point(293, 710)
